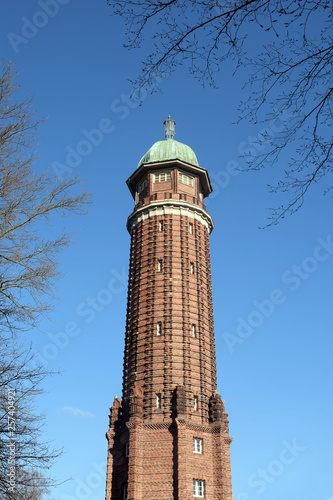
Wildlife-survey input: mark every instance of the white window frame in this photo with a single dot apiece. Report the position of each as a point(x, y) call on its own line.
point(159, 328)
point(197, 445)
point(198, 488)
point(162, 177)
point(186, 179)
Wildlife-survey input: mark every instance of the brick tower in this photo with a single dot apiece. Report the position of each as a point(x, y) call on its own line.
point(168, 437)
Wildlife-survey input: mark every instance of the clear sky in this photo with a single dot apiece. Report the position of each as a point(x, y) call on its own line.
point(272, 288)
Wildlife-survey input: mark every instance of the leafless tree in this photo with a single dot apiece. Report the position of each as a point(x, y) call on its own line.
point(290, 75)
point(30, 203)
point(31, 206)
point(24, 456)
point(32, 486)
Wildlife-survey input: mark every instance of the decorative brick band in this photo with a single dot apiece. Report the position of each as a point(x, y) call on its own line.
point(209, 428)
point(170, 207)
point(144, 425)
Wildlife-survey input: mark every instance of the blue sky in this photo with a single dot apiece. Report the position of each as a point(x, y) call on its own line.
point(272, 288)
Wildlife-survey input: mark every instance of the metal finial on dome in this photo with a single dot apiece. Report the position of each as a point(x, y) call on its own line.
point(169, 128)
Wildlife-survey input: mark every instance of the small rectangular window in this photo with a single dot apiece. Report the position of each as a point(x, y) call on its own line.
point(193, 331)
point(190, 228)
point(160, 226)
point(159, 328)
point(127, 450)
point(142, 186)
point(192, 268)
point(198, 488)
point(162, 177)
point(197, 445)
point(195, 403)
point(158, 401)
point(185, 179)
point(159, 266)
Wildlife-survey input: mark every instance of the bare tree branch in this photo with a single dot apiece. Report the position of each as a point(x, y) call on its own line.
point(30, 205)
point(24, 457)
point(290, 81)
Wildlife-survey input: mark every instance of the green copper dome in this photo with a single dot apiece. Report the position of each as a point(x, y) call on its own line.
point(169, 149)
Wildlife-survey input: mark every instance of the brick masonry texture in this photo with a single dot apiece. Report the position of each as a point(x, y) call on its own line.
point(169, 392)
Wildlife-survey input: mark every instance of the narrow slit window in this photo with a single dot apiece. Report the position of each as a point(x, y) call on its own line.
point(124, 492)
point(158, 400)
point(193, 331)
point(190, 228)
point(195, 403)
point(192, 267)
point(159, 266)
point(159, 328)
point(160, 226)
point(197, 445)
point(127, 450)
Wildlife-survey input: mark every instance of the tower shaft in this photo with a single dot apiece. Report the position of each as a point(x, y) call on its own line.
point(168, 436)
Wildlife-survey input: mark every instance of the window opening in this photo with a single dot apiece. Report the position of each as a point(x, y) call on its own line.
point(142, 186)
point(198, 488)
point(197, 445)
point(124, 488)
point(185, 179)
point(162, 177)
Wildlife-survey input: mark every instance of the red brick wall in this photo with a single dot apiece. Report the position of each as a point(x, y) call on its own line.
point(162, 464)
point(177, 299)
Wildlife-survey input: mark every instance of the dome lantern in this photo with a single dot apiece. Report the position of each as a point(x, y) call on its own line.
point(169, 128)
